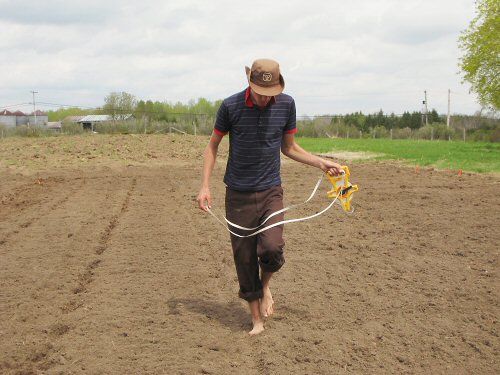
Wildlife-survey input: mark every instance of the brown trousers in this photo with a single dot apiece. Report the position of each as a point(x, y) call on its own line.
point(250, 209)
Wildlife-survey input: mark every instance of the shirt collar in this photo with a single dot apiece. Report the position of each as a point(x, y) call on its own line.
point(249, 102)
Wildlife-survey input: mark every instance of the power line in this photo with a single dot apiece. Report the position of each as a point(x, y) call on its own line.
point(14, 105)
point(460, 93)
point(67, 105)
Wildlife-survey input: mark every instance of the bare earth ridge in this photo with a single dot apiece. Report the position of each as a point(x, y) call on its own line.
point(108, 267)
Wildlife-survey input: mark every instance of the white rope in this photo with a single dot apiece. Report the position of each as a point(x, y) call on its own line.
point(275, 213)
point(279, 211)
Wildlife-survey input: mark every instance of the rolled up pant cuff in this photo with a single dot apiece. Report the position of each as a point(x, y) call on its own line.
point(251, 296)
point(272, 267)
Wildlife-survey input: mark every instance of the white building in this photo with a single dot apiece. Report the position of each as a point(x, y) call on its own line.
point(89, 121)
point(13, 119)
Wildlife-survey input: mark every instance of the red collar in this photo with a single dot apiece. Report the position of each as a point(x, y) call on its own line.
point(249, 102)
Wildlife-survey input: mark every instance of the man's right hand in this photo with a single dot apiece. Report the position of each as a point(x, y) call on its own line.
point(204, 199)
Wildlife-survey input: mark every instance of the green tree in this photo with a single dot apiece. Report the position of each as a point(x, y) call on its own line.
point(380, 119)
point(62, 113)
point(140, 109)
point(434, 117)
point(405, 121)
point(118, 104)
point(416, 120)
point(481, 46)
point(150, 110)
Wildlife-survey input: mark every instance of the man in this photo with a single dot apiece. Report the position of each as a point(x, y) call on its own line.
point(261, 123)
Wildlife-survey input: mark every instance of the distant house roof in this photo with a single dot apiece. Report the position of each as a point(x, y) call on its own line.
point(102, 118)
point(16, 113)
point(73, 118)
point(95, 118)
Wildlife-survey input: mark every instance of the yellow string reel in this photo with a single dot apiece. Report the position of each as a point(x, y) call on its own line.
point(342, 189)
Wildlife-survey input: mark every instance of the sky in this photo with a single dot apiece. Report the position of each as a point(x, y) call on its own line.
point(336, 57)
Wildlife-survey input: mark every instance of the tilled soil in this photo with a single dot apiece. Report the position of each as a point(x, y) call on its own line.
point(108, 267)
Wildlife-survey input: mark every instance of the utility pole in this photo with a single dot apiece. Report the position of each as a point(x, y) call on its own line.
point(448, 117)
point(425, 108)
point(34, 108)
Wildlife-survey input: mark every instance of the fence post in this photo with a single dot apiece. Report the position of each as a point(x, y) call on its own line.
point(464, 133)
point(391, 133)
point(360, 134)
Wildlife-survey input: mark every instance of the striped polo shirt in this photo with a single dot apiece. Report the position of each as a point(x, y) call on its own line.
point(255, 137)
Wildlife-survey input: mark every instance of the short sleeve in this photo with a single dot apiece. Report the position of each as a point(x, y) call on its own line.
point(222, 124)
point(291, 124)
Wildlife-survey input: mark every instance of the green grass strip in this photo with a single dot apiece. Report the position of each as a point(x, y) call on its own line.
point(468, 156)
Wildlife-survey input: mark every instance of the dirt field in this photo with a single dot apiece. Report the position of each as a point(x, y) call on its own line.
point(108, 267)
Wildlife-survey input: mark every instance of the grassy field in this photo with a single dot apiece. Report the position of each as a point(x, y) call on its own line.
point(468, 156)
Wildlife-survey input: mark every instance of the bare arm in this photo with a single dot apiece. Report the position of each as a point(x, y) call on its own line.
point(204, 198)
point(291, 149)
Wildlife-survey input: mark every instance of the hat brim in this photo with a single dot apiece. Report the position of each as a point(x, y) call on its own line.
point(267, 90)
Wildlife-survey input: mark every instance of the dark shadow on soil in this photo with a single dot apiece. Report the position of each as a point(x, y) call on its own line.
point(231, 314)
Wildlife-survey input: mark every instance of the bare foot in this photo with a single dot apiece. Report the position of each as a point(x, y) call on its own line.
point(258, 327)
point(266, 304)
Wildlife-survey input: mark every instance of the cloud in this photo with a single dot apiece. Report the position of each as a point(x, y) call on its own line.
point(335, 56)
point(415, 22)
point(57, 12)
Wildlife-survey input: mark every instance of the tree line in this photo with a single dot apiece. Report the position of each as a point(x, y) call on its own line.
point(198, 117)
point(413, 120)
point(406, 126)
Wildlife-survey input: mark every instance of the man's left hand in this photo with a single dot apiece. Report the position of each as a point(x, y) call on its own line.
point(333, 169)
